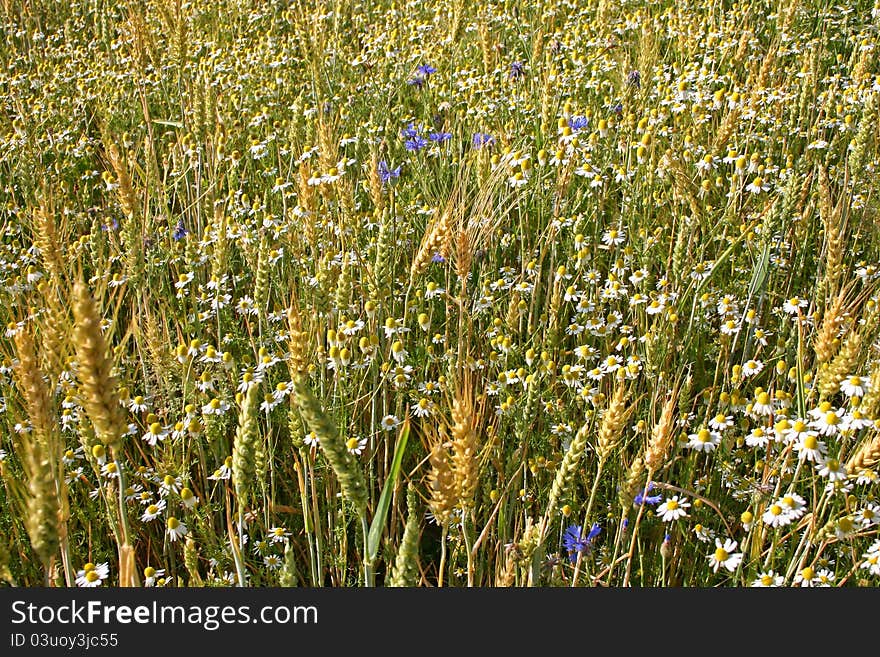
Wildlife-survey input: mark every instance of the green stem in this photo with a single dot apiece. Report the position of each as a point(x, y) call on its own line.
point(586, 524)
point(369, 575)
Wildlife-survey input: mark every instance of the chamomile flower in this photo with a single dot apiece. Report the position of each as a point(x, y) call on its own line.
point(793, 504)
point(356, 445)
point(153, 575)
point(752, 367)
point(153, 511)
point(855, 421)
point(613, 236)
point(832, 470)
point(176, 529)
point(215, 407)
point(768, 579)
point(794, 305)
point(763, 405)
point(279, 535)
point(810, 448)
point(170, 485)
point(757, 437)
point(189, 499)
point(868, 515)
point(224, 471)
point(282, 390)
point(389, 423)
point(806, 577)
point(137, 404)
point(721, 422)
point(824, 577)
point(673, 509)
point(155, 433)
point(92, 575)
point(703, 440)
point(775, 516)
point(272, 561)
point(855, 386)
point(725, 556)
point(871, 562)
point(827, 424)
point(797, 430)
point(422, 408)
point(757, 185)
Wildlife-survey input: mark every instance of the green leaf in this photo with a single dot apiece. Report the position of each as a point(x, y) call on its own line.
point(173, 124)
point(378, 524)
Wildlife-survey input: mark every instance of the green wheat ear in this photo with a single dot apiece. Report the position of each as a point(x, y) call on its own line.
point(344, 464)
point(405, 571)
point(244, 447)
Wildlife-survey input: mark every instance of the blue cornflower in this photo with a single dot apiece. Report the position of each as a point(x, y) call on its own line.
point(426, 69)
point(438, 258)
point(517, 70)
point(415, 143)
point(576, 543)
point(417, 81)
point(386, 174)
point(113, 225)
point(180, 231)
point(409, 131)
point(578, 122)
point(440, 137)
point(634, 79)
point(482, 139)
point(644, 498)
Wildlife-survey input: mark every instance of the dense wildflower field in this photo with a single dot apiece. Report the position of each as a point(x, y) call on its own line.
point(392, 293)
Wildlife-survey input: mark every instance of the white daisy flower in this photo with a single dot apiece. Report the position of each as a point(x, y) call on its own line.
point(176, 529)
point(724, 555)
point(673, 509)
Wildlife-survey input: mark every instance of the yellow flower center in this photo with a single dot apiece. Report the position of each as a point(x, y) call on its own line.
point(721, 555)
point(776, 510)
point(92, 576)
point(766, 580)
point(672, 505)
point(807, 573)
point(704, 436)
point(173, 523)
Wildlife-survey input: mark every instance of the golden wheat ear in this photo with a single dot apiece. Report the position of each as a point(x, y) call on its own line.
point(98, 387)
